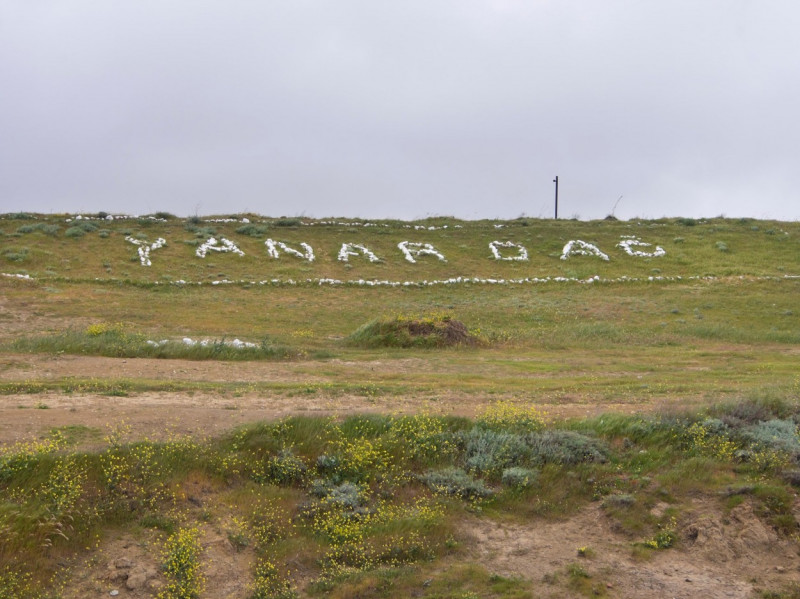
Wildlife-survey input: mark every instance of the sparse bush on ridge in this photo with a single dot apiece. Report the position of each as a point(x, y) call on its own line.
point(253, 230)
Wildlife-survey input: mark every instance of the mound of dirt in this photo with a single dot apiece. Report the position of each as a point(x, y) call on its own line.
point(451, 332)
point(439, 331)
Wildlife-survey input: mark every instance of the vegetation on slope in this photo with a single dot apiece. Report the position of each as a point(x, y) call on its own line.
point(376, 495)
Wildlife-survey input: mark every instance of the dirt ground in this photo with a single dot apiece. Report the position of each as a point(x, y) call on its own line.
point(212, 413)
point(735, 556)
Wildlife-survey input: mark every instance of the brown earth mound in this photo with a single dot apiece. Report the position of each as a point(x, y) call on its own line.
point(451, 332)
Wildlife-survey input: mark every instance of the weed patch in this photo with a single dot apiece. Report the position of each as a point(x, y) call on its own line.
point(359, 500)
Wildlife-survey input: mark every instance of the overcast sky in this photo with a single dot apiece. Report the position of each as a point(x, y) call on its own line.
point(370, 108)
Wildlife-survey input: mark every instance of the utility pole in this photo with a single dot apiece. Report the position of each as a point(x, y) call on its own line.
point(556, 182)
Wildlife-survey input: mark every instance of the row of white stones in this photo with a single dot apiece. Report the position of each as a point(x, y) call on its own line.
point(451, 281)
point(411, 250)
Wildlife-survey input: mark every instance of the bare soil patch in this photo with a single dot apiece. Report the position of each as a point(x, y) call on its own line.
point(717, 556)
point(157, 415)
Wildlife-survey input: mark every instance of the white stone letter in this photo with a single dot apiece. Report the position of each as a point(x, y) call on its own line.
point(354, 249)
point(522, 253)
point(410, 250)
point(144, 248)
point(272, 250)
point(581, 248)
point(628, 242)
point(224, 245)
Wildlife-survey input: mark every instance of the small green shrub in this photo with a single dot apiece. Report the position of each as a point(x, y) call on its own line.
point(423, 438)
point(328, 464)
point(283, 469)
point(346, 495)
point(779, 435)
point(565, 447)
point(269, 584)
point(456, 482)
point(507, 416)
point(489, 452)
point(288, 222)
point(742, 413)
point(15, 254)
point(665, 538)
point(519, 478)
point(75, 232)
point(181, 564)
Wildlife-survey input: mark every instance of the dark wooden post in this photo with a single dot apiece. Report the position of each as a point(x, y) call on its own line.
point(556, 182)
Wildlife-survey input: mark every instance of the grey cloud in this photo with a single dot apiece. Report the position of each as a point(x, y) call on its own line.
point(351, 108)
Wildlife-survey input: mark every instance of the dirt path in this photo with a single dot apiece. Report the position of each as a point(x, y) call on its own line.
point(211, 413)
point(156, 415)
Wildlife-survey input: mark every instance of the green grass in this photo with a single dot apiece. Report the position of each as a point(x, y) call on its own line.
point(77, 250)
point(116, 341)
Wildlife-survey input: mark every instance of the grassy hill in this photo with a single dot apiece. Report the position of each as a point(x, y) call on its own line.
point(62, 247)
point(686, 358)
